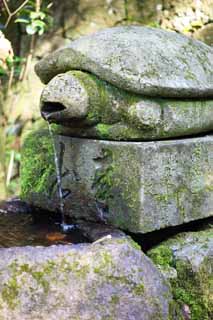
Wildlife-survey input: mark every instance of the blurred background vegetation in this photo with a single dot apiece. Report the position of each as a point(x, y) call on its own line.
point(30, 29)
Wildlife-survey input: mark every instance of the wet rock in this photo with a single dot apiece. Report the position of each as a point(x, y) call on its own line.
point(94, 231)
point(15, 205)
point(187, 261)
point(110, 279)
point(135, 186)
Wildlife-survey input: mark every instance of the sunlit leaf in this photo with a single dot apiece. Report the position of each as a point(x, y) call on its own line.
point(31, 29)
point(22, 20)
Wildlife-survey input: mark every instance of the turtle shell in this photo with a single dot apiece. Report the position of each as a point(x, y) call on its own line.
point(148, 61)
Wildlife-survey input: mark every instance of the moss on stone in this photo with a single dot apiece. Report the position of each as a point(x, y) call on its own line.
point(190, 287)
point(37, 164)
point(134, 244)
point(111, 187)
point(139, 289)
point(104, 262)
point(115, 299)
point(10, 293)
point(103, 130)
point(162, 256)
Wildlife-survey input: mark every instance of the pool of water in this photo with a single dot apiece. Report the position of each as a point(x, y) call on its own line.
point(21, 225)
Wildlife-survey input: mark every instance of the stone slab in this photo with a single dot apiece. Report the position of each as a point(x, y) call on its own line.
point(136, 186)
point(109, 279)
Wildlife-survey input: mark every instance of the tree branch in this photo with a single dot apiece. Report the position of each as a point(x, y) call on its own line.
point(10, 13)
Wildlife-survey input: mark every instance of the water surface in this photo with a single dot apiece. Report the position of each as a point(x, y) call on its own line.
point(21, 225)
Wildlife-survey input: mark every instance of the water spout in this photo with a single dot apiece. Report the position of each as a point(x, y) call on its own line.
point(64, 98)
point(65, 227)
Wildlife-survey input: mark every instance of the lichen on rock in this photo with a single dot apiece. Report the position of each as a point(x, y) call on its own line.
point(187, 261)
point(69, 282)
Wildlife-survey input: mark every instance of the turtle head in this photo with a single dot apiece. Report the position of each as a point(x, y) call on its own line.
point(64, 99)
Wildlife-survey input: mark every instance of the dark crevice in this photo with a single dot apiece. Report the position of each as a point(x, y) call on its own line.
point(52, 107)
point(152, 239)
point(196, 135)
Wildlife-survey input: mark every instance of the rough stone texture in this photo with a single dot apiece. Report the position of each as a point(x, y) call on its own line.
point(94, 231)
point(139, 187)
point(94, 108)
point(144, 60)
point(110, 279)
point(187, 261)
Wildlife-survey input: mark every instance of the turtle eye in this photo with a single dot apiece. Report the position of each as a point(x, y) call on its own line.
point(48, 109)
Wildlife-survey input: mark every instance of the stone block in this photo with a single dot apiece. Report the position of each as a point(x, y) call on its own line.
point(135, 186)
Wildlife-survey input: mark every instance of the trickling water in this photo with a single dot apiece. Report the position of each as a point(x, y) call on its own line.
point(65, 227)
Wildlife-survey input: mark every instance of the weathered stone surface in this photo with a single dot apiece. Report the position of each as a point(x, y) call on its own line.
point(187, 261)
point(144, 60)
point(91, 107)
point(137, 186)
point(94, 231)
point(110, 279)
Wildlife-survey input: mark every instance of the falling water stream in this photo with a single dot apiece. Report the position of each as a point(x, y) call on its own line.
point(65, 227)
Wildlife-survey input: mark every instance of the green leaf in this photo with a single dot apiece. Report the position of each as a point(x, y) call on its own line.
point(37, 15)
point(9, 61)
point(22, 20)
point(2, 71)
point(40, 32)
point(30, 29)
point(38, 24)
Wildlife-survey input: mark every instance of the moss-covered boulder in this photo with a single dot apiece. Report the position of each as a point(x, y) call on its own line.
point(136, 186)
point(111, 279)
point(187, 261)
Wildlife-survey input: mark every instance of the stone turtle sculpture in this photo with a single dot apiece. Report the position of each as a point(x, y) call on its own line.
point(130, 83)
point(99, 86)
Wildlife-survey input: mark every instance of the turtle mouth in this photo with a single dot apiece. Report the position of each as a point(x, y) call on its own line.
point(51, 110)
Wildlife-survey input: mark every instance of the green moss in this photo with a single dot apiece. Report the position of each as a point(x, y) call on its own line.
point(39, 276)
point(190, 287)
point(37, 165)
point(10, 293)
point(104, 262)
point(115, 299)
point(103, 130)
point(139, 289)
point(134, 244)
point(162, 256)
point(104, 100)
point(117, 190)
